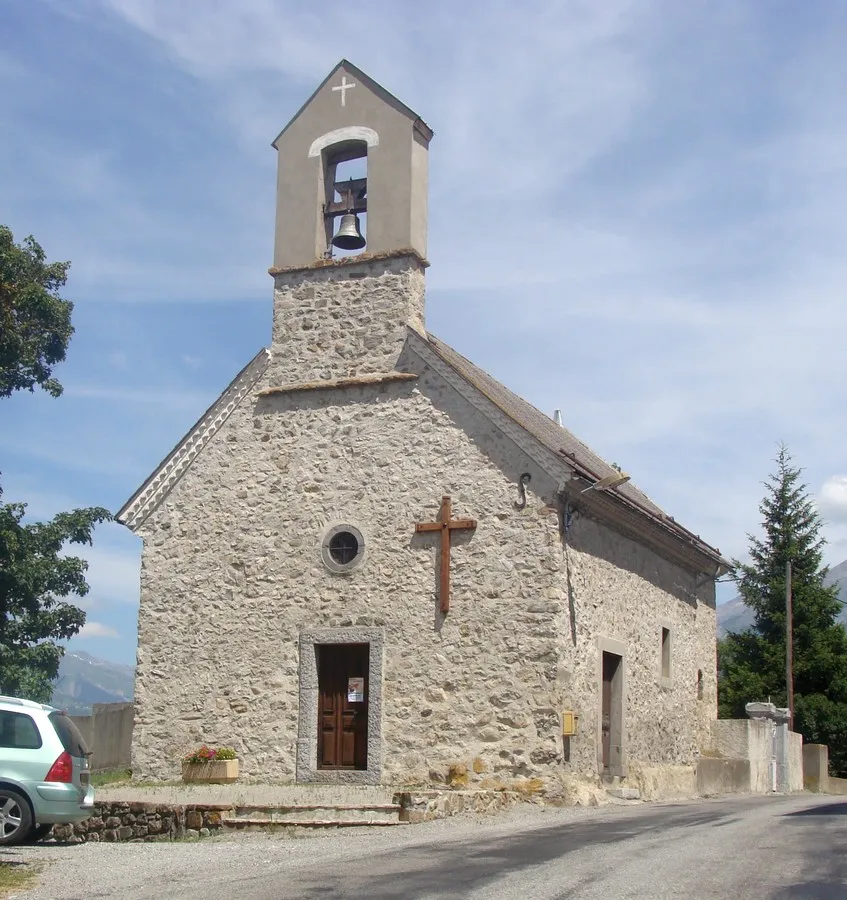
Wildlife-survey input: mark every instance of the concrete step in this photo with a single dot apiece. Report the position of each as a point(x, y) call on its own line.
point(316, 814)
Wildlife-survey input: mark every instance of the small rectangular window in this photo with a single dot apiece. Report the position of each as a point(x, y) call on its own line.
point(666, 653)
point(18, 731)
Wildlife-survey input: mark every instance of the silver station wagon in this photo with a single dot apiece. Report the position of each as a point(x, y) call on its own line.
point(44, 771)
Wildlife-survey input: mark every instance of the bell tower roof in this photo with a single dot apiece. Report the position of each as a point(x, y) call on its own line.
point(345, 67)
point(350, 117)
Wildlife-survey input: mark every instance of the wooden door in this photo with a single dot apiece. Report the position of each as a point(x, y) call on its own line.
point(606, 721)
point(611, 722)
point(342, 706)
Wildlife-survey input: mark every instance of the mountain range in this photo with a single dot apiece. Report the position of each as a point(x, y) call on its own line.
point(85, 679)
point(735, 615)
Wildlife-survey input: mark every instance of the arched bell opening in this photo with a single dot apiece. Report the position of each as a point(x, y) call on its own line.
point(346, 205)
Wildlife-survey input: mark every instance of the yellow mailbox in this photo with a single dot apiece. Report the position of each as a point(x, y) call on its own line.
point(570, 723)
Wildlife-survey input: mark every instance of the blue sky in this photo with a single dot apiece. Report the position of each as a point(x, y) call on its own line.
point(636, 215)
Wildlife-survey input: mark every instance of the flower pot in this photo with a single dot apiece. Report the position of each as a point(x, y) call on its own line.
point(216, 771)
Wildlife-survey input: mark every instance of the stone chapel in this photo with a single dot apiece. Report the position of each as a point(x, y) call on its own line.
point(371, 563)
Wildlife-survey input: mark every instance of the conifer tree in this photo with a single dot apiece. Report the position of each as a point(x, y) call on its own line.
point(751, 664)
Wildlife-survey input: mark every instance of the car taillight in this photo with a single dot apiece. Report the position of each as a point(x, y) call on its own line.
point(62, 770)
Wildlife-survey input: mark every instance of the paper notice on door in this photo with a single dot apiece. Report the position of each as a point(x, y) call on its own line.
point(355, 690)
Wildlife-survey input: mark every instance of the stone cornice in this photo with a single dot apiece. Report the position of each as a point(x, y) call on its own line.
point(343, 261)
point(174, 465)
point(375, 378)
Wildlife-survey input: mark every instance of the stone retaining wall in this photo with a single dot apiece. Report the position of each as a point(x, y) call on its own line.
point(423, 806)
point(114, 822)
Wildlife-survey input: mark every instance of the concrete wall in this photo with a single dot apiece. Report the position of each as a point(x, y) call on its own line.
point(816, 775)
point(790, 753)
point(723, 776)
point(815, 767)
point(108, 733)
point(753, 742)
point(747, 739)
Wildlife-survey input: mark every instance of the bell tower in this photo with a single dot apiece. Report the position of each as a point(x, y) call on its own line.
point(351, 222)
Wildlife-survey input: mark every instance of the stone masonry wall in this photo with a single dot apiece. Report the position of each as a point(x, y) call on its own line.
point(337, 321)
point(625, 593)
point(232, 574)
point(116, 822)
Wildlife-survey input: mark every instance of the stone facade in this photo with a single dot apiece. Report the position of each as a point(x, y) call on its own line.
point(337, 321)
point(232, 576)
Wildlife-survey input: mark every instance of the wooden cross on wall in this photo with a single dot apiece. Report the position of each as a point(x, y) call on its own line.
point(445, 525)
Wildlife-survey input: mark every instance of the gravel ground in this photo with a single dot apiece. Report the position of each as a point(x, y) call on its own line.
point(779, 848)
point(84, 871)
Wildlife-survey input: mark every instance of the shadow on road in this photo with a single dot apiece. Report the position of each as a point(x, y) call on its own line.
point(825, 809)
point(812, 890)
point(437, 868)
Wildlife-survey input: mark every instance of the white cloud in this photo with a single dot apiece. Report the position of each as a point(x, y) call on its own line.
point(97, 630)
point(832, 499)
point(191, 362)
point(159, 397)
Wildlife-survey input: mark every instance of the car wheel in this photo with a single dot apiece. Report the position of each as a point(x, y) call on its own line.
point(15, 817)
point(39, 832)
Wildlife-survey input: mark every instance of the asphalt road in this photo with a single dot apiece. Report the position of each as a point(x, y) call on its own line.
point(746, 848)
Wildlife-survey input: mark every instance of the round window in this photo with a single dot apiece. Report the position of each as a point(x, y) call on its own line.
point(342, 548)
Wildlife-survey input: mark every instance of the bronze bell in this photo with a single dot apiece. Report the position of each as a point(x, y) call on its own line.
point(349, 237)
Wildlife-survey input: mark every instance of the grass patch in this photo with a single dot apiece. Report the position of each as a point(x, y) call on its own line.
point(14, 876)
point(111, 776)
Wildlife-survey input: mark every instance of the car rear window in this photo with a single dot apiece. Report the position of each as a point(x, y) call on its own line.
point(69, 734)
point(18, 731)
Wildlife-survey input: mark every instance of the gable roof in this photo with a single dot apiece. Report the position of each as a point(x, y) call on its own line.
point(565, 445)
point(374, 86)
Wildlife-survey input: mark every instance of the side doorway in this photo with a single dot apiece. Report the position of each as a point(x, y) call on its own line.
point(611, 714)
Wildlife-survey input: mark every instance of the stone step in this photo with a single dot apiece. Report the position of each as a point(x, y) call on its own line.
point(241, 824)
point(323, 813)
point(624, 793)
point(238, 794)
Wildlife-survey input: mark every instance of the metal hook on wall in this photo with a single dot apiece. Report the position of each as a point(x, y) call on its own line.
point(523, 481)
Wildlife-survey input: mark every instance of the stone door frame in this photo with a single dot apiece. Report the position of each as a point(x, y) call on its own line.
point(307, 723)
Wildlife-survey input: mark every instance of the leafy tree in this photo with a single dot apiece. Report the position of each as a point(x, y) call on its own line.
point(33, 578)
point(35, 328)
point(751, 665)
point(35, 322)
